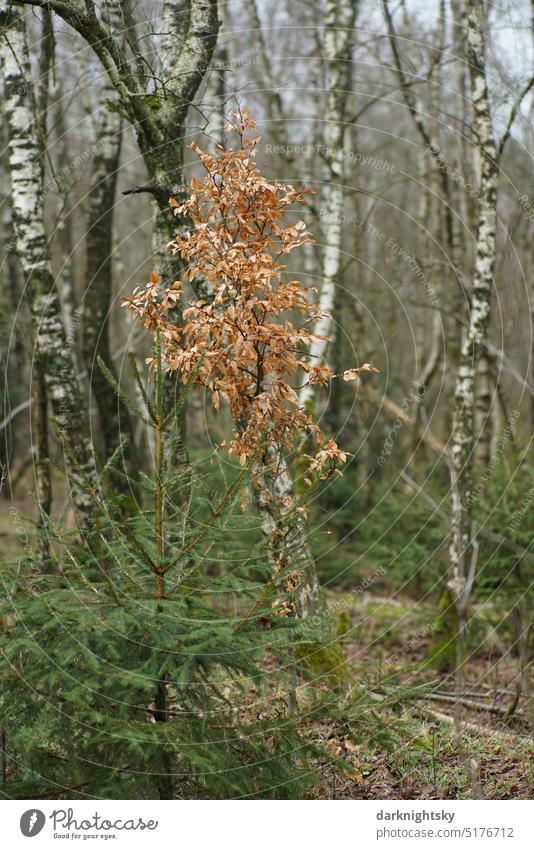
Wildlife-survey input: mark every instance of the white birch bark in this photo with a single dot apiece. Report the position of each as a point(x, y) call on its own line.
point(338, 40)
point(51, 344)
point(463, 547)
point(14, 355)
point(40, 437)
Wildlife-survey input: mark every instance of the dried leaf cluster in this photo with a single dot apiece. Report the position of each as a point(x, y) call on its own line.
point(243, 345)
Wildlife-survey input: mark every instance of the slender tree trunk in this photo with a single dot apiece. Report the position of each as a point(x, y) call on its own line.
point(14, 357)
point(41, 455)
point(66, 278)
point(462, 549)
point(484, 419)
point(333, 415)
point(164, 780)
point(451, 226)
point(432, 360)
point(3, 761)
point(41, 442)
point(270, 87)
point(284, 529)
point(430, 211)
point(114, 419)
point(52, 348)
point(216, 90)
point(338, 41)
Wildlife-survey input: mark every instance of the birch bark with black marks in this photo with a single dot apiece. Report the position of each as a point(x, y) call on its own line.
point(51, 345)
point(41, 444)
point(463, 544)
point(14, 322)
point(340, 16)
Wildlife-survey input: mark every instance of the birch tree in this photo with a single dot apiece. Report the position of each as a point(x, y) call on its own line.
point(463, 549)
point(340, 18)
point(275, 489)
point(41, 442)
point(52, 348)
point(14, 356)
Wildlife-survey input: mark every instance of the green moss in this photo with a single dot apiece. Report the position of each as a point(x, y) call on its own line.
point(342, 625)
point(322, 660)
point(442, 652)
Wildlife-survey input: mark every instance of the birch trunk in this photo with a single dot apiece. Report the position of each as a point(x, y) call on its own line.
point(340, 18)
point(13, 331)
point(463, 546)
point(274, 488)
point(52, 348)
point(41, 444)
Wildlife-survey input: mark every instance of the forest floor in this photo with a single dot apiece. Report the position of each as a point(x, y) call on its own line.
point(493, 757)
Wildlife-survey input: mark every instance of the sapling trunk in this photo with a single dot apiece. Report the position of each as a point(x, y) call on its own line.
point(165, 784)
point(3, 763)
point(41, 464)
point(459, 672)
